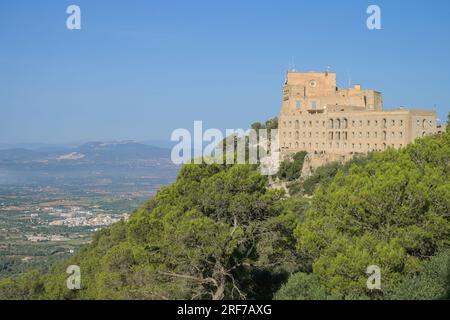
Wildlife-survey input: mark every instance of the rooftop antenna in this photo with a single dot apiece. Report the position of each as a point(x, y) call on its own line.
point(349, 79)
point(292, 65)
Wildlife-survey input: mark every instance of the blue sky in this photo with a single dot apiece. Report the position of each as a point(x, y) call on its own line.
point(140, 69)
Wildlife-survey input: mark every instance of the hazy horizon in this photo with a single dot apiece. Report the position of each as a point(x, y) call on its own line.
point(137, 72)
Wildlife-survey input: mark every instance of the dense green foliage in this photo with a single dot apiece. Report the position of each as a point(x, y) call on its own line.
point(322, 175)
point(391, 211)
point(219, 232)
point(433, 282)
point(302, 286)
point(290, 169)
point(269, 124)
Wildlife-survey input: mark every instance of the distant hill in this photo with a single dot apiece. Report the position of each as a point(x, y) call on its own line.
point(20, 154)
point(96, 151)
point(120, 151)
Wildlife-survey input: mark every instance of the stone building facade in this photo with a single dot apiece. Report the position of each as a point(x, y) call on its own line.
point(333, 124)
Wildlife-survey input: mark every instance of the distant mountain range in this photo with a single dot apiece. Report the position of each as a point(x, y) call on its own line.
point(91, 151)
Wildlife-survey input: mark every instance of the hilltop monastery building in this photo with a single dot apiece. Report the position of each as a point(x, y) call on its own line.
point(333, 124)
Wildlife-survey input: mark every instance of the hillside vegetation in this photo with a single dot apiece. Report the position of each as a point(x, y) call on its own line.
point(219, 232)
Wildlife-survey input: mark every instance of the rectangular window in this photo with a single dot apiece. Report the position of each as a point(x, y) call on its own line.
point(298, 104)
point(314, 104)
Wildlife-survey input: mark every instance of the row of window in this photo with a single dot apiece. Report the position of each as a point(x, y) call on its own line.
point(384, 123)
point(343, 123)
point(337, 135)
point(305, 123)
point(337, 145)
point(298, 104)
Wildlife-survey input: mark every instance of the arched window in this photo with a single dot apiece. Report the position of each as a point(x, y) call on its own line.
point(297, 135)
point(338, 123)
point(424, 123)
point(331, 135)
point(297, 124)
point(384, 135)
point(344, 123)
point(331, 123)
